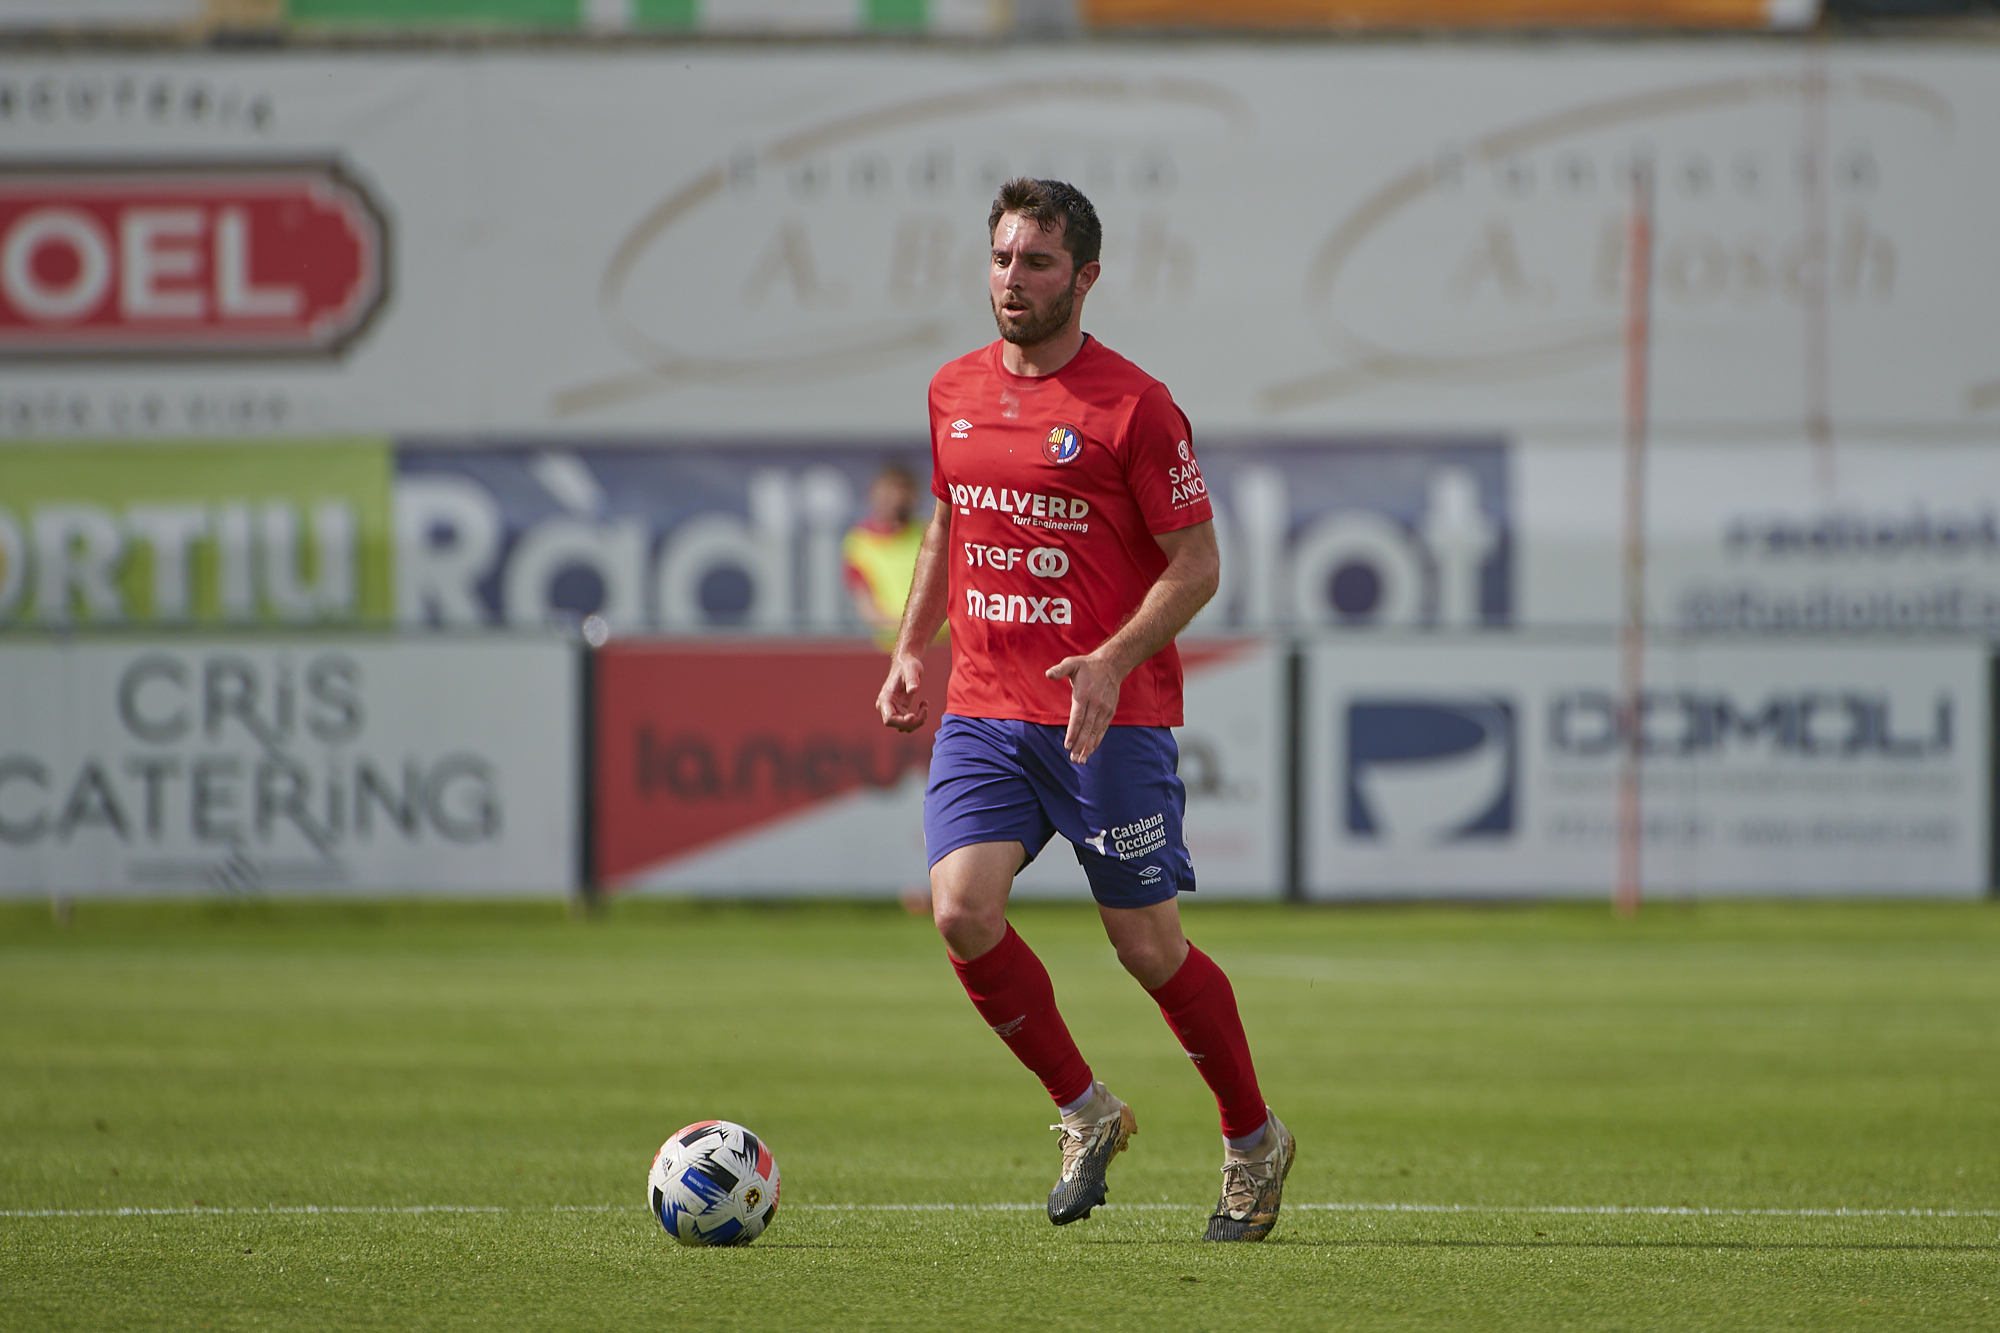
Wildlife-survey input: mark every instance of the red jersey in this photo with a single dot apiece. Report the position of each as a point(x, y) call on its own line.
point(1057, 484)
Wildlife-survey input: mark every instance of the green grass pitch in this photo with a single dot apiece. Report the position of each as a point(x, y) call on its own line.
point(409, 1116)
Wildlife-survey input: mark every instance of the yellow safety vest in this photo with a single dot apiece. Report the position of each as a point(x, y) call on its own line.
point(887, 562)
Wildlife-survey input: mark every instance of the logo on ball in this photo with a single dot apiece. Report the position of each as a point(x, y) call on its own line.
point(1048, 562)
point(1063, 445)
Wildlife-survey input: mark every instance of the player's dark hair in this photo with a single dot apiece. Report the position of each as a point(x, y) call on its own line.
point(1046, 203)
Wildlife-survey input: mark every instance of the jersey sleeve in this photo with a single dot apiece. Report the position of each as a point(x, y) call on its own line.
point(1160, 467)
point(938, 490)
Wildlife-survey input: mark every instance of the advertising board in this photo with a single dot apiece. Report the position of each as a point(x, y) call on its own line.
point(1768, 768)
point(1769, 536)
point(1350, 531)
point(141, 259)
point(320, 764)
point(238, 246)
point(555, 265)
point(689, 539)
point(240, 533)
point(757, 768)
point(719, 538)
point(762, 768)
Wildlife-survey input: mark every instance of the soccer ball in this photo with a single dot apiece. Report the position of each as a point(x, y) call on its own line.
point(713, 1183)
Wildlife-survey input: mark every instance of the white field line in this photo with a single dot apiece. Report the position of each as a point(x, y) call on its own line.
point(1469, 1209)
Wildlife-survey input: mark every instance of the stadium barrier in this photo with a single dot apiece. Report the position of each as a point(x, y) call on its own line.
point(1412, 765)
point(325, 343)
point(1822, 659)
point(1384, 765)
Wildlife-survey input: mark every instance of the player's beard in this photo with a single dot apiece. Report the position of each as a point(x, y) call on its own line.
point(1034, 328)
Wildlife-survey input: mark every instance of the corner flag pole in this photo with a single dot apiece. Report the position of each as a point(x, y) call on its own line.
point(1632, 660)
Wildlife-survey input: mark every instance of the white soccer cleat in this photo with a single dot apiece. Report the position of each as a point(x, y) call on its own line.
point(1253, 1183)
point(1090, 1139)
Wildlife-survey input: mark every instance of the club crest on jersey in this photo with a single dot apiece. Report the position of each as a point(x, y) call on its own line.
point(1063, 445)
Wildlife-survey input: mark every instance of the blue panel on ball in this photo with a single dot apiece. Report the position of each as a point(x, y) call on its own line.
point(697, 1182)
point(724, 1234)
point(668, 1211)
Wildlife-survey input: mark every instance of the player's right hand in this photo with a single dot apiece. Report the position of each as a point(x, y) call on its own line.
point(898, 703)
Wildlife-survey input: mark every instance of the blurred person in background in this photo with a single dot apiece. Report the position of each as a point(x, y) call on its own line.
point(1072, 540)
point(879, 558)
point(879, 553)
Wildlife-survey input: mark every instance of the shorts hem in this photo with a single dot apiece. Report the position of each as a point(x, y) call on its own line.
point(975, 838)
point(1169, 892)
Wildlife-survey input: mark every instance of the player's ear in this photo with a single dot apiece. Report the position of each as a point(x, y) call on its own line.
point(1086, 277)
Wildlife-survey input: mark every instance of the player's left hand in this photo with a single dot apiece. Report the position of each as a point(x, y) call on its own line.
point(1093, 701)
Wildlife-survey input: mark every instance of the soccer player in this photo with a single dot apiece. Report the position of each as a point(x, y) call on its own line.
point(1072, 540)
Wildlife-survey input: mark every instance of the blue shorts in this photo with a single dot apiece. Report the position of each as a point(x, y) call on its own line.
point(999, 780)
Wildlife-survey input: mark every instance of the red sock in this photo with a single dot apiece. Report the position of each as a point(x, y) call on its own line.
point(1200, 1007)
point(1011, 990)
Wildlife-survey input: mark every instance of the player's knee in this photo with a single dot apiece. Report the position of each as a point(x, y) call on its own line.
point(969, 929)
point(1151, 961)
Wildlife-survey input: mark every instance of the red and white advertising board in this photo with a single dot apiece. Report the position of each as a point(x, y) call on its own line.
point(761, 768)
point(141, 258)
point(288, 766)
point(756, 767)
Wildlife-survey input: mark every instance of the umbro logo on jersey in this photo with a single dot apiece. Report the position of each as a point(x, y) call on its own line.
point(959, 429)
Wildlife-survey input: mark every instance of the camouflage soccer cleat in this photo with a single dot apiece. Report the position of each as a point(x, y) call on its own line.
point(1252, 1184)
point(1090, 1139)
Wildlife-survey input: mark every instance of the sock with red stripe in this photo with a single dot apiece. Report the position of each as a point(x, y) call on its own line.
point(1200, 1006)
point(1011, 990)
